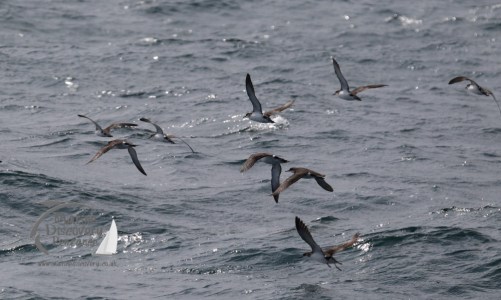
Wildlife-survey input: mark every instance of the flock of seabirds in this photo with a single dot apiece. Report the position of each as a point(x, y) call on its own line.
point(323, 255)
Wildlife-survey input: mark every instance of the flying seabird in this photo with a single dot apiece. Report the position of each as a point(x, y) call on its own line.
point(161, 136)
point(344, 92)
point(106, 132)
point(276, 168)
point(120, 144)
point(257, 112)
point(302, 173)
point(326, 255)
point(475, 88)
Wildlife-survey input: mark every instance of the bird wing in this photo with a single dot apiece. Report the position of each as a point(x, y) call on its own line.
point(105, 149)
point(485, 91)
point(135, 160)
point(252, 160)
point(366, 87)
point(461, 78)
point(279, 109)
point(256, 106)
point(192, 151)
point(97, 125)
point(321, 182)
point(319, 178)
point(330, 251)
point(342, 80)
point(495, 100)
point(288, 182)
point(305, 234)
point(158, 128)
point(276, 170)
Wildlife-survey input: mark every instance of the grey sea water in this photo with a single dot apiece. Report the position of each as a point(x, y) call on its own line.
point(415, 166)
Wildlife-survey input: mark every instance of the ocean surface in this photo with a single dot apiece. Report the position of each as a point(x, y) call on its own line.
point(415, 166)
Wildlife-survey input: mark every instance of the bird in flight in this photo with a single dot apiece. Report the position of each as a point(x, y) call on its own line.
point(120, 144)
point(161, 136)
point(344, 92)
point(107, 131)
point(299, 173)
point(325, 255)
point(257, 112)
point(276, 168)
point(475, 88)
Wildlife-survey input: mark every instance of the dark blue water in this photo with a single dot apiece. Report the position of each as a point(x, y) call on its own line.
point(415, 166)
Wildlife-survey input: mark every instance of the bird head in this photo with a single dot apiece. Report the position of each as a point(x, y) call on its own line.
point(247, 115)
